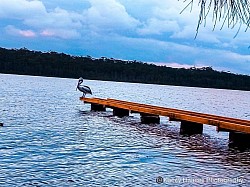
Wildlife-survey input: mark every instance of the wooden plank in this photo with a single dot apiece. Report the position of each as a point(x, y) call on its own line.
point(233, 120)
point(185, 117)
point(94, 100)
point(182, 115)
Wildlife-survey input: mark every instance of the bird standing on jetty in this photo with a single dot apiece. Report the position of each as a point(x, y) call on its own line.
point(83, 88)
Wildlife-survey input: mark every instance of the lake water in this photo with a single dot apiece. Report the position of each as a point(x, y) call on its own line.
point(50, 138)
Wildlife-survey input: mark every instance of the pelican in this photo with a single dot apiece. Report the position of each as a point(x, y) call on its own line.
point(84, 89)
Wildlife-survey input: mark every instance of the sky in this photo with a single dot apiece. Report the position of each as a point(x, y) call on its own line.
point(153, 31)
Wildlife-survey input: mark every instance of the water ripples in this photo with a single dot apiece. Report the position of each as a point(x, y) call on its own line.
point(50, 138)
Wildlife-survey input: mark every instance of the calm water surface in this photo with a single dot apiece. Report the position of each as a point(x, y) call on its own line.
point(50, 138)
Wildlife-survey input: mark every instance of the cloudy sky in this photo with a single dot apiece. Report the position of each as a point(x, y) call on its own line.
point(151, 31)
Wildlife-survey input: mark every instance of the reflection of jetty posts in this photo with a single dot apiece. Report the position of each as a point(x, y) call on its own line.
point(191, 122)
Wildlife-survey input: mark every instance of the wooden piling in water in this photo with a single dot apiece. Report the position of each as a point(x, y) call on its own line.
point(149, 118)
point(190, 128)
point(238, 139)
point(191, 122)
point(97, 107)
point(120, 112)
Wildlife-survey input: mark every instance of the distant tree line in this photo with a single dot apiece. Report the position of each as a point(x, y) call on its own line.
point(53, 64)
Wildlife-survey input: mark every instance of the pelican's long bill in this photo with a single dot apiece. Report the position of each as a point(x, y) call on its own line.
point(77, 84)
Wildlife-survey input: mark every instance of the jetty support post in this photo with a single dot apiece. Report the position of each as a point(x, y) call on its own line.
point(190, 128)
point(97, 107)
point(149, 118)
point(219, 129)
point(239, 139)
point(173, 119)
point(120, 112)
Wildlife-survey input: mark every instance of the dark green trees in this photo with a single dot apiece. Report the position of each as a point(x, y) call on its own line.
point(53, 64)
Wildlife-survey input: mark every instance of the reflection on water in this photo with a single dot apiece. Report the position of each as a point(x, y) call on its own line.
point(50, 138)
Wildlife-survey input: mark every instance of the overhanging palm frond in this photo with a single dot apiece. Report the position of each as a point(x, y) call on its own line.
point(229, 12)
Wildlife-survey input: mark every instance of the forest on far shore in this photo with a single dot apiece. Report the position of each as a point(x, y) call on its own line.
point(53, 64)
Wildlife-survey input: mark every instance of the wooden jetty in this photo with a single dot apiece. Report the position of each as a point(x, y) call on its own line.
point(191, 122)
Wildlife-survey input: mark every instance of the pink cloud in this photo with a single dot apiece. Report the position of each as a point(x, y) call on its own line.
point(60, 33)
point(27, 33)
point(18, 32)
point(47, 33)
